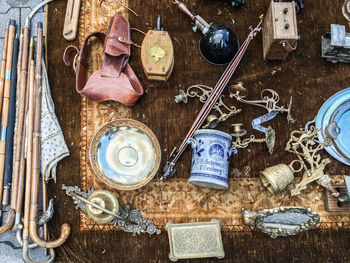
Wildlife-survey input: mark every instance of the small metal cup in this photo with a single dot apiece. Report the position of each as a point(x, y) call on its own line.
point(276, 178)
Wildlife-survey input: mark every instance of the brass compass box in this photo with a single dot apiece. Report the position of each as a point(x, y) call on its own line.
point(279, 31)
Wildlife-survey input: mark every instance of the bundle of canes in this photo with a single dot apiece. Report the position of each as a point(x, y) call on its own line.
point(5, 107)
point(169, 170)
point(19, 160)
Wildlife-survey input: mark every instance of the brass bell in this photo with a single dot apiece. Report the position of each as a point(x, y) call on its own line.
point(277, 177)
point(106, 200)
point(212, 121)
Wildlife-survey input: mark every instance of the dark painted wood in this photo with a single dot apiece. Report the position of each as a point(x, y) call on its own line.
point(304, 75)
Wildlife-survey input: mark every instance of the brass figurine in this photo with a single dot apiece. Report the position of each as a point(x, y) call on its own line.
point(203, 92)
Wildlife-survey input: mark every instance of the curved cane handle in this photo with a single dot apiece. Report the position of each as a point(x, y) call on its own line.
point(10, 219)
point(27, 259)
point(65, 231)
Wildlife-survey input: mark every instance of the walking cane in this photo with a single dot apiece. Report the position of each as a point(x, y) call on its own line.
point(3, 63)
point(8, 180)
point(21, 171)
point(29, 160)
point(65, 229)
point(5, 110)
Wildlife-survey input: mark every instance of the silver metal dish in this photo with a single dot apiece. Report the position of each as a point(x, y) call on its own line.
point(195, 240)
point(333, 124)
point(125, 154)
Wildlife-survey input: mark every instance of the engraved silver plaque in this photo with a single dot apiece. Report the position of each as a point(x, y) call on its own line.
point(195, 240)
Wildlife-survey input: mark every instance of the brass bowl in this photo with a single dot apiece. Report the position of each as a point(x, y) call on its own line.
point(125, 154)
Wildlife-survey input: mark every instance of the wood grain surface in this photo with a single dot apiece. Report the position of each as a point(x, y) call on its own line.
point(304, 75)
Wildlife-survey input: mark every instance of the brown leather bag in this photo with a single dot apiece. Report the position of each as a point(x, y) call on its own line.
point(116, 80)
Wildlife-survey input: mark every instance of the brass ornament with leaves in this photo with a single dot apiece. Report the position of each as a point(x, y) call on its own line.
point(305, 145)
point(202, 92)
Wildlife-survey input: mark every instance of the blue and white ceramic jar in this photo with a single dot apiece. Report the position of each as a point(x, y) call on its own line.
point(210, 159)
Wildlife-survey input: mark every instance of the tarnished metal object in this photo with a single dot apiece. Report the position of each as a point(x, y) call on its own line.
point(195, 240)
point(281, 221)
point(277, 177)
point(336, 44)
point(238, 132)
point(103, 207)
point(304, 144)
point(203, 92)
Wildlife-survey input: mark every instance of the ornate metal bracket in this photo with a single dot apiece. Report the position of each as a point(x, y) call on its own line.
point(269, 100)
point(239, 143)
point(96, 207)
point(281, 221)
point(203, 92)
point(305, 145)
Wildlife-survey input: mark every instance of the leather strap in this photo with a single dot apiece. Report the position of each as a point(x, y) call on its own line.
point(116, 80)
point(82, 59)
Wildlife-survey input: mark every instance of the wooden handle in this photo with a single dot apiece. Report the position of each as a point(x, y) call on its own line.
point(184, 9)
point(71, 20)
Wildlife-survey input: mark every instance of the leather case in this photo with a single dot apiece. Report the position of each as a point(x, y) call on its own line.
point(116, 80)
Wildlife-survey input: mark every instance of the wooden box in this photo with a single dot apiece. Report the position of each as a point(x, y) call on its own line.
point(279, 31)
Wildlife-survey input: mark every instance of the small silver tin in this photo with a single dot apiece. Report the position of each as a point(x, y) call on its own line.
point(195, 240)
